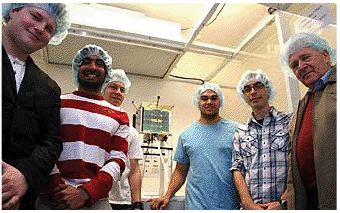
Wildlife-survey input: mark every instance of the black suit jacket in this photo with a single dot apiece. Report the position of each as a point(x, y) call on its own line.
point(30, 126)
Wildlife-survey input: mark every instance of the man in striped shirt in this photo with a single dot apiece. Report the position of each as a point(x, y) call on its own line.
point(94, 136)
point(260, 146)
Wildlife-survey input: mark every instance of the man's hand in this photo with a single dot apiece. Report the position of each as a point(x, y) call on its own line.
point(69, 197)
point(14, 186)
point(254, 206)
point(273, 206)
point(268, 206)
point(159, 203)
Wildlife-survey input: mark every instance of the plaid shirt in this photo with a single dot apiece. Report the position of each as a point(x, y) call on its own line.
point(260, 154)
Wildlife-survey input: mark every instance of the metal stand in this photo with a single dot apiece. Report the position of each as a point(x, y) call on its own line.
point(157, 163)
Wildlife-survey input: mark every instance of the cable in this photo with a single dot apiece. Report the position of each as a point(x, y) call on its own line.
point(158, 97)
point(197, 79)
point(216, 16)
point(188, 28)
point(133, 103)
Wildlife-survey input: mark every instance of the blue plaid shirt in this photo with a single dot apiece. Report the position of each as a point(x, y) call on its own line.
point(260, 154)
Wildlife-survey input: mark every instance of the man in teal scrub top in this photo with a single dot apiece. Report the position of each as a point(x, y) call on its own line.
point(203, 156)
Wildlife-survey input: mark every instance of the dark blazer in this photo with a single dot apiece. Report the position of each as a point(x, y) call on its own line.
point(324, 145)
point(30, 126)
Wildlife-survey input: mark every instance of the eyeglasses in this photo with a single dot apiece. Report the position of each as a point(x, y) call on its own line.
point(248, 88)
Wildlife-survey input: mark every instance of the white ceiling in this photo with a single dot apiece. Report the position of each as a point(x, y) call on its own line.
point(211, 39)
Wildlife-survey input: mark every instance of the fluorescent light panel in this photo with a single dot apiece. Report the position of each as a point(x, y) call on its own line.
point(119, 19)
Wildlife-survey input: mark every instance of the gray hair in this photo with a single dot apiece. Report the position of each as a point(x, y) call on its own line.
point(303, 40)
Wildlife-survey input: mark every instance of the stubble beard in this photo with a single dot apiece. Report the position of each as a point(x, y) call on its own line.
point(90, 86)
point(210, 117)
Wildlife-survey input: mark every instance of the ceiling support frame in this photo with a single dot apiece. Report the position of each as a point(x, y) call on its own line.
point(191, 38)
point(252, 35)
point(179, 47)
point(151, 42)
point(243, 44)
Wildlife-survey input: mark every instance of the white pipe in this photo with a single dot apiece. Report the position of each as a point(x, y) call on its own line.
point(162, 159)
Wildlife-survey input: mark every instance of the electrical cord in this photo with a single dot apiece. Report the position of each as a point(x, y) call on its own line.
point(188, 28)
point(196, 79)
point(215, 16)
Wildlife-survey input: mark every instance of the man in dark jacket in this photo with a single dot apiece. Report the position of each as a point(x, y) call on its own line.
point(30, 101)
point(312, 152)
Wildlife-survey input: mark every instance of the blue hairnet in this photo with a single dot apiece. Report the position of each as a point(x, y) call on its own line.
point(208, 86)
point(57, 11)
point(256, 76)
point(87, 51)
point(120, 76)
point(303, 40)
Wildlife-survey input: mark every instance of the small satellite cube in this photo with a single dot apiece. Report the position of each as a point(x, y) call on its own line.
point(153, 118)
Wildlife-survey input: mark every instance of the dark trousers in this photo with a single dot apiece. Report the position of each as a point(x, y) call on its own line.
point(313, 201)
point(121, 206)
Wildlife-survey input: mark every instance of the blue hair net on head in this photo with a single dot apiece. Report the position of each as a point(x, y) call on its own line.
point(87, 51)
point(303, 40)
point(57, 11)
point(120, 76)
point(208, 86)
point(255, 76)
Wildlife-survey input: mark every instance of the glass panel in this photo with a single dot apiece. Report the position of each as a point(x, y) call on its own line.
point(262, 52)
point(292, 24)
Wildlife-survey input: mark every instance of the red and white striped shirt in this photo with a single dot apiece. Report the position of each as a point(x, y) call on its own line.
point(94, 135)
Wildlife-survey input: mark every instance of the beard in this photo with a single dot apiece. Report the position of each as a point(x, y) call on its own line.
point(210, 116)
point(91, 86)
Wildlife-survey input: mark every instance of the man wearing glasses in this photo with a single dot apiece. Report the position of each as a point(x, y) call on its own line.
point(260, 147)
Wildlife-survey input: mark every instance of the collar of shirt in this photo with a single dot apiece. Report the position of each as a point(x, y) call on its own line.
point(16, 61)
point(272, 112)
point(19, 70)
point(322, 81)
